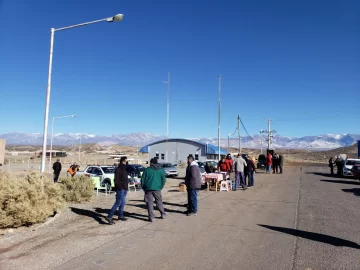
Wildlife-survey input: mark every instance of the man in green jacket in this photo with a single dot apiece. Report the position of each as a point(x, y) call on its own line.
point(152, 182)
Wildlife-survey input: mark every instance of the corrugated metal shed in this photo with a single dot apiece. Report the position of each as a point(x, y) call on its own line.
point(210, 148)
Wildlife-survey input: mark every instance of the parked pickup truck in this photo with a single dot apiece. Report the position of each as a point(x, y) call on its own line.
point(106, 174)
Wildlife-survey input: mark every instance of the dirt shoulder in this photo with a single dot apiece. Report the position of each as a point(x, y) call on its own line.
point(80, 228)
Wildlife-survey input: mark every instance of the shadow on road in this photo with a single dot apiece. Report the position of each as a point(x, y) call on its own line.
point(341, 182)
point(324, 174)
point(143, 206)
point(84, 212)
point(318, 237)
point(356, 191)
point(164, 203)
point(126, 214)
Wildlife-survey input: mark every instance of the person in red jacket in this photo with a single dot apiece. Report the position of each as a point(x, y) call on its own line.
point(229, 161)
point(223, 166)
point(268, 163)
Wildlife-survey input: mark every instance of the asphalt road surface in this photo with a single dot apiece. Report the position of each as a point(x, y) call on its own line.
point(302, 219)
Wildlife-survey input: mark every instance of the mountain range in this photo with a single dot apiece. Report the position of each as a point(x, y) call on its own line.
point(328, 141)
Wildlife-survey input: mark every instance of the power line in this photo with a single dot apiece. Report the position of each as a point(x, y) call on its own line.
point(231, 134)
point(245, 128)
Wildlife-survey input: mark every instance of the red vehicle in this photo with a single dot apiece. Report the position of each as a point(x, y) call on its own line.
point(356, 171)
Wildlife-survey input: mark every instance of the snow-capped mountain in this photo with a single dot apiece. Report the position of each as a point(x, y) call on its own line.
point(327, 141)
point(67, 139)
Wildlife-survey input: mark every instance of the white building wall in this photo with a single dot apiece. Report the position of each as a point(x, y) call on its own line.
point(175, 151)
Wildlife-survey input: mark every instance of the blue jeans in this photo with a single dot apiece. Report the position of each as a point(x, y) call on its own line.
point(251, 178)
point(268, 169)
point(239, 179)
point(119, 203)
point(192, 200)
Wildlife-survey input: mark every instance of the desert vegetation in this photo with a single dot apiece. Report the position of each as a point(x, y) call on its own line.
point(32, 198)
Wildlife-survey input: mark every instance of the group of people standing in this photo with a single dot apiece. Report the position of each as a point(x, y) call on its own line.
point(57, 167)
point(276, 162)
point(339, 163)
point(244, 169)
point(152, 182)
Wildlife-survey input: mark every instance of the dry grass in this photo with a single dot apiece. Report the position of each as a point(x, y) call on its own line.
point(25, 200)
point(77, 189)
point(32, 198)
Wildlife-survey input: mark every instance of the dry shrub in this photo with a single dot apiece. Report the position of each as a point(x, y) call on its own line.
point(77, 189)
point(25, 200)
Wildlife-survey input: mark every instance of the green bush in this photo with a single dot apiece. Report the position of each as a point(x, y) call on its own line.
point(25, 200)
point(77, 189)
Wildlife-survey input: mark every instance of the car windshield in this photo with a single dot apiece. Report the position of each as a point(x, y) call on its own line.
point(108, 170)
point(167, 165)
point(262, 157)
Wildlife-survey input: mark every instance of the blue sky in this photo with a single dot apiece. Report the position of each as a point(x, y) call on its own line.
point(295, 61)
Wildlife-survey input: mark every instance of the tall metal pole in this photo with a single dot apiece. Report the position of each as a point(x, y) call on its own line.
point(80, 147)
point(47, 103)
point(269, 134)
point(117, 17)
point(219, 117)
point(229, 142)
point(167, 116)
point(51, 142)
point(238, 128)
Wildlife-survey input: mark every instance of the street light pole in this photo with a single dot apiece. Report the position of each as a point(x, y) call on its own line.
point(219, 117)
point(117, 17)
point(52, 134)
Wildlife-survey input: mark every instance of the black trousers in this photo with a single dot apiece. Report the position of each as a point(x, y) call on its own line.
point(56, 177)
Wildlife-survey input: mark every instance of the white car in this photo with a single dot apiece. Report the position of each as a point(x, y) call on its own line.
point(349, 163)
point(169, 169)
point(106, 174)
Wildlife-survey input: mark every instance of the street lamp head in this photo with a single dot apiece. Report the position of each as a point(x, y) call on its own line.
point(116, 18)
point(74, 115)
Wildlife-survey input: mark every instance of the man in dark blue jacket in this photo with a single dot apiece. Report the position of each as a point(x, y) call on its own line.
point(121, 186)
point(193, 184)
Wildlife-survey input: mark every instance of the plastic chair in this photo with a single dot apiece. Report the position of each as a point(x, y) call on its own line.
point(231, 184)
point(224, 186)
point(98, 186)
point(132, 185)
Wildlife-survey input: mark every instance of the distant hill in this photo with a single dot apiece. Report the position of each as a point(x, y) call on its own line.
point(327, 141)
point(349, 150)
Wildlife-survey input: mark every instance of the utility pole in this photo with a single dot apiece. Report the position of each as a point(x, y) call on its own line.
point(80, 147)
point(167, 114)
point(238, 128)
point(269, 133)
point(168, 117)
point(219, 110)
point(229, 142)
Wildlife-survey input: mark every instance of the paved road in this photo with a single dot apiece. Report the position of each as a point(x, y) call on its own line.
point(302, 219)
